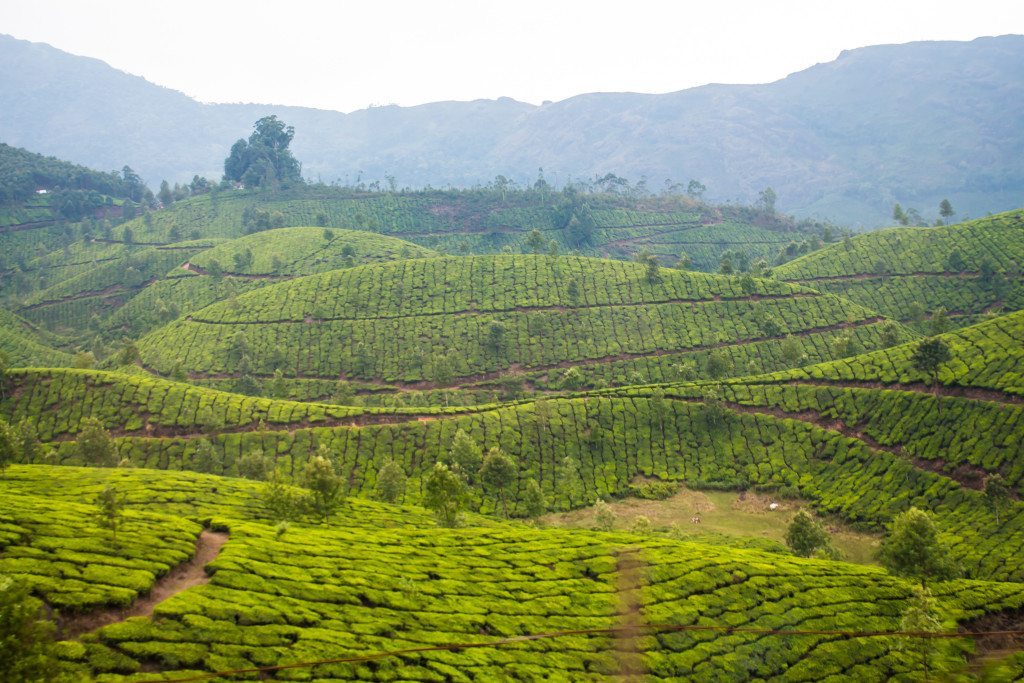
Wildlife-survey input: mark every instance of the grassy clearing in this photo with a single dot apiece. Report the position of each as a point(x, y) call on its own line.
point(740, 515)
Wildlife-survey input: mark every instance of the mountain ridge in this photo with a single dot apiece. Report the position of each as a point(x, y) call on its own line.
point(840, 140)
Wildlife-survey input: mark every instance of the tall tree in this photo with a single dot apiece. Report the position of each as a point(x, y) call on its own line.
point(913, 549)
point(929, 356)
point(766, 200)
point(535, 241)
point(498, 473)
point(94, 444)
point(533, 499)
point(390, 481)
point(899, 215)
point(264, 160)
point(805, 535)
point(465, 455)
point(946, 210)
point(110, 507)
point(324, 484)
point(445, 494)
point(997, 494)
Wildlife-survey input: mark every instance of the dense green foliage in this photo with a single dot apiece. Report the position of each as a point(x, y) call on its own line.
point(23, 172)
point(988, 355)
point(25, 346)
point(906, 273)
point(382, 578)
point(264, 160)
point(441, 320)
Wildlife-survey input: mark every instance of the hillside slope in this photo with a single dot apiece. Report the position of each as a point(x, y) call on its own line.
point(968, 269)
point(840, 140)
point(25, 346)
point(451, 321)
point(328, 591)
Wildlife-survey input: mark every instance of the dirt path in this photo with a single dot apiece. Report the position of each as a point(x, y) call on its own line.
point(955, 390)
point(185, 575)
point(517, 370)
point(198, 270)
point(630, 622)
point(560, 308)
point(965, 274)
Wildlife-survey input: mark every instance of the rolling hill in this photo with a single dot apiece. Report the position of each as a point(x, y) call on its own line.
point(968, 269)
point(457, 321)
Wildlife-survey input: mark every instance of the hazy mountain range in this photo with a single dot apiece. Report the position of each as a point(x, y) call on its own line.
point(843, 140)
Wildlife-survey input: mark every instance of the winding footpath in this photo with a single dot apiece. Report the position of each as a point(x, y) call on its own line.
point(184, 576)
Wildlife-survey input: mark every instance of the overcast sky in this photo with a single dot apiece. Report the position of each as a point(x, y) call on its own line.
point(346, 55)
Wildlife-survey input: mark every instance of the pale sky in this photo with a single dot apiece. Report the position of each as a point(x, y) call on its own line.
point(346, 55)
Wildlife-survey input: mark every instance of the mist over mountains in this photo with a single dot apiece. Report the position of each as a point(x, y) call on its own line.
point(842, 140)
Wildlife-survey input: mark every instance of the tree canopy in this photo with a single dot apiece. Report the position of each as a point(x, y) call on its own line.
point(264, 160)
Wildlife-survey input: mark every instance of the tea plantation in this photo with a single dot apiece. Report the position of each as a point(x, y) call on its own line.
point(381, 578)
point(188, 384)
point(905, 273)
point(26, 346)
point(451, 321)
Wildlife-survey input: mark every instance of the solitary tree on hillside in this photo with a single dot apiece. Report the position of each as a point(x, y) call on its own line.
point(696, 189)
point(570, 482)
point(805, 535)
point(946, 210)
point(465, 455)
point(899, 215)
point(445, 494)
point(929, 356)
point(325, 486)
point(913, 549)
point(650, 262)
point(535, 241)
point(110, 507)
point(265, 159)
point(390, 481)
point(923, 616)
point(939, 323)
point(498, 473)
point(997, 494)
point(766, 200)
point(533, 499)
point(94, 444)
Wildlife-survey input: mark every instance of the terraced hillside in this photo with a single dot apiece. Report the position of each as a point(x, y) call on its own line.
point(489, 221)
point(86, 293)
point(26, 346)
point(858, 451)
point(233, 267)
point(987, 360)
point(381, 578)
point(907, 273)
point(455, 321)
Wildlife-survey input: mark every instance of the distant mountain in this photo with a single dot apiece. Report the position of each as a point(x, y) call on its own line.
point(912, 123)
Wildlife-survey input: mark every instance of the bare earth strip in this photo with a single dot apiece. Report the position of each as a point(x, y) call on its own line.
point(630, 626)
point(184, 576)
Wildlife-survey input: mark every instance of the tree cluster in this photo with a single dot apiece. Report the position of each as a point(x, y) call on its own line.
point(264, 160)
